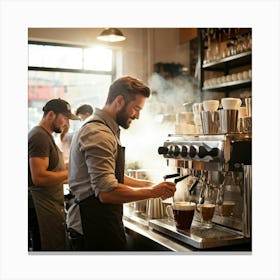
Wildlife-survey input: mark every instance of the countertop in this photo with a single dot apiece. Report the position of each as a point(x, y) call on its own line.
point(138, 223)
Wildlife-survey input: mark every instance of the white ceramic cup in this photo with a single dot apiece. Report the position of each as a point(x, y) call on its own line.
point(239, 76)
point(213, 81)
point(224, 79)
point(210, 105)
point(234, 77)
point(228, 78)
point(230, 103)
point(219, 80)
point(245, 75)
point(250, 73)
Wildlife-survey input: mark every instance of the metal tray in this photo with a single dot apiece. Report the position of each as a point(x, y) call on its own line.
point(197, 236)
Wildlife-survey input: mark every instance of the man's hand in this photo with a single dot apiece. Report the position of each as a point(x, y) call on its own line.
point(164, 190)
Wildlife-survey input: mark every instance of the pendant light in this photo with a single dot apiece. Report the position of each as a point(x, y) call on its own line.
point(111, 35)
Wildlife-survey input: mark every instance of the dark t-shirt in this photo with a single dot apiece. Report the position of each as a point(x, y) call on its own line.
point(41, 144)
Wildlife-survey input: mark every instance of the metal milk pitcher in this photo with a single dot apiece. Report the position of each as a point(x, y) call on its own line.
point(210, 122)
point(154, 208)
point(228, 121)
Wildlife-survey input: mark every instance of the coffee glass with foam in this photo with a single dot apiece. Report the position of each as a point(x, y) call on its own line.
point(183, 213)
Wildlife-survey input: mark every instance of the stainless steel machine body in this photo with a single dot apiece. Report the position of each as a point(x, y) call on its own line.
point(220, 164)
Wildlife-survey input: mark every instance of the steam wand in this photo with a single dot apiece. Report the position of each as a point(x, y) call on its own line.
point(170, 176)
point(204, 188)
point(177, 180)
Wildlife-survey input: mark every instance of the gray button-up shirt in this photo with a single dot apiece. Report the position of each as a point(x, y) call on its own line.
point(92, 162)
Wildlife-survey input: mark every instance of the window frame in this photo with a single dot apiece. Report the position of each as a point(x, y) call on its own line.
point(73, 70)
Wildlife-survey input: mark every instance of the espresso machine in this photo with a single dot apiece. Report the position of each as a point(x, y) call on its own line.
point(219, 164)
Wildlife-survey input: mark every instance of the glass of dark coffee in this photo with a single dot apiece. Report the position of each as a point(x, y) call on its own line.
point(183, 213)
point(207, 212)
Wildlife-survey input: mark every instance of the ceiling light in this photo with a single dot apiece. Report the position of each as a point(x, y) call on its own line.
point(111, 35)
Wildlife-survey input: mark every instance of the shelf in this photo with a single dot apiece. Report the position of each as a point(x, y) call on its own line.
point(230, 86)
point(224, 67)
point(231, 62)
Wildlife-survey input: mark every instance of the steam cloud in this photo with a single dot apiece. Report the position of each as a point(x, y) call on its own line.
point(157, 120)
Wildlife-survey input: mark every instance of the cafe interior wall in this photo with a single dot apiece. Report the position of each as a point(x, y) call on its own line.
point(137, 54)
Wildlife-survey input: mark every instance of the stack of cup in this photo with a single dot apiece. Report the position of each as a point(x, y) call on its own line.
point(210, 117)
point(184, 123)
point(242, 113)
point(197, 108)
point(229, 114)
point(248, 102)
point(247, 121)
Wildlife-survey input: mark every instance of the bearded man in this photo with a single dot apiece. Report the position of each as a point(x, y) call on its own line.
point(46, 175)
point(96, 172)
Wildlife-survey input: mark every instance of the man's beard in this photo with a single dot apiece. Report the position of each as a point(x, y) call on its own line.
point(55, 128)
point(122, 118)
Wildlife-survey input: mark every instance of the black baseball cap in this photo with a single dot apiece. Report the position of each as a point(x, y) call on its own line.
point(60, 106)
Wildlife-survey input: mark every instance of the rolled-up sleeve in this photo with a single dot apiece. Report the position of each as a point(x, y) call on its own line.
point(100, 150)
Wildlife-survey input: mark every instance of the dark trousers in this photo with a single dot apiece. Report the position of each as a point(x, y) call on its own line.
point(34, 242)
point(76, 240)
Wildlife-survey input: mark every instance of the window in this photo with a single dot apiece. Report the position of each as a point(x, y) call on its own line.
point(55, 56)
point(74, 73)
point(98, 59)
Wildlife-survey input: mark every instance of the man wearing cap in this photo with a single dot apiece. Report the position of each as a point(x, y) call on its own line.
point(46, 175)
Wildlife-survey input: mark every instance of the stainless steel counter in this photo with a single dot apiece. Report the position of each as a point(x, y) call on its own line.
point(141, 227)
point(164, 233)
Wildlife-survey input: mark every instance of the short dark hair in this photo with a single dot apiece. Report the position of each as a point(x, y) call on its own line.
point(83, 109)
point(128, 87)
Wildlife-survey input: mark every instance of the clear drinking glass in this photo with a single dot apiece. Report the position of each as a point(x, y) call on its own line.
point(207, 208)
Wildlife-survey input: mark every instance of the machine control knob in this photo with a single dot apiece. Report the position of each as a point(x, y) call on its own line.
point(176, 151)
point(171, 150)
point(202, 152)
point(213, 152)
point(184, 151)
point(162, 150)
point(192, 151)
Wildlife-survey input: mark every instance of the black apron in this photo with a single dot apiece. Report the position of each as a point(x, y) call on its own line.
point(103, 229)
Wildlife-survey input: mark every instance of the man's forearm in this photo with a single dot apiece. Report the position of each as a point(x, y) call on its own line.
point(136, 183)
